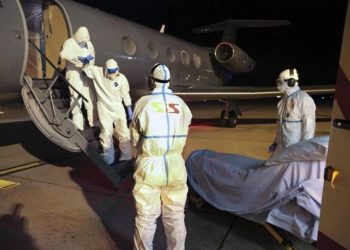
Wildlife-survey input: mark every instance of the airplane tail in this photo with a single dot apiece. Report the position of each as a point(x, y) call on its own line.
point(231, 26)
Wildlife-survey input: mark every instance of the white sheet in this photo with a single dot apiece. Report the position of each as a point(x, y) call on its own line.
point(288, 193)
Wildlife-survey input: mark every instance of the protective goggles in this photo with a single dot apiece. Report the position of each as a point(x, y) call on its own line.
point(161, 81)
point(113, 70)
point(83, 44)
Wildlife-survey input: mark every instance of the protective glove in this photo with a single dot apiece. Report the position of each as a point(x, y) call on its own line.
point(90, 57)
point(85, 60)
point(272, 147)
point(129, 112)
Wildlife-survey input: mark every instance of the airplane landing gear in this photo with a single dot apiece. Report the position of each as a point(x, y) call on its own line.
point(229, 116)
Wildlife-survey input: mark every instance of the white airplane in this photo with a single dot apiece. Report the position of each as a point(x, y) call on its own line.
point(32, 35)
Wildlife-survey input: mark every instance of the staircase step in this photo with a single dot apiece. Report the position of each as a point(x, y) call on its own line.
point(91, 134)
point(88, 140)
point(45, 83)
point(96, 144)
point(61, 103)
point(59, 93)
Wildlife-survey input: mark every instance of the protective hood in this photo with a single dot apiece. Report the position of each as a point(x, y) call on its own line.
point(287, 80)
point(160, 75)
point(288, 74)
point(112, 68)
point(82, 35)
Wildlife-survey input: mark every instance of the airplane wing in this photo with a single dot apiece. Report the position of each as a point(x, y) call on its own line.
point(214, 93)
point(191, 94)
point(231, 26)
point(220, 26)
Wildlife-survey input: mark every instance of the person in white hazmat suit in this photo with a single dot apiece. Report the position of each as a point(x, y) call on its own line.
point(296, 110)
point(112, 89)
point(159, 129)
point(78, 52)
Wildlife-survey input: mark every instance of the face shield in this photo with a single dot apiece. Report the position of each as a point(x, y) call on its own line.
point(112, 73)
point(112, 69)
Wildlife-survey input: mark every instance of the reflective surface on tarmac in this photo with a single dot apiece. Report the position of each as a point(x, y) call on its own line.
point(63, 202)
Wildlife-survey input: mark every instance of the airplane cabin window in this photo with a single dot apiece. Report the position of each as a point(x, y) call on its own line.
point(197, 61)
point(171, 55)
point(152, 51)
point(185, 57)
point(128, 45)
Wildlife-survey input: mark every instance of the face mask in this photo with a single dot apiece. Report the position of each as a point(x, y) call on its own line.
point(282, 87)
point(111, 76)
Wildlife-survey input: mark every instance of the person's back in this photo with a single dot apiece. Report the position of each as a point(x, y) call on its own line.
point(166, 120)
point(159, 129)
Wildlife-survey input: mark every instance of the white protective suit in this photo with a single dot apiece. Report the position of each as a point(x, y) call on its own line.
point(296, 110)
point(159, 129)
point(74, 51)
point(111, 91)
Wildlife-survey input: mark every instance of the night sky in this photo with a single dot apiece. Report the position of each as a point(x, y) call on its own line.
point(311, 43)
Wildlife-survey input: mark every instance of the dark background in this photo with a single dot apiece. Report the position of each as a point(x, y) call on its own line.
point(311, 43)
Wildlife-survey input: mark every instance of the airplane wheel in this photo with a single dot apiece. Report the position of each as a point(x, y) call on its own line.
point(222, 119)
point(232, 120)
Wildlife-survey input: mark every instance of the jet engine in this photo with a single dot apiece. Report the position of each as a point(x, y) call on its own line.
point(233, 58)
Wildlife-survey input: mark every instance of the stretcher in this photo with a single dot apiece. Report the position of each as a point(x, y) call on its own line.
point(285, 191)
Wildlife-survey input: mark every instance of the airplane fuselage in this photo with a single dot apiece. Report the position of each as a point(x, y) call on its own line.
point(135, 47)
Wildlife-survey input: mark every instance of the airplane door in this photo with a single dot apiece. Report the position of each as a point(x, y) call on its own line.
point(13, 49)
point(335, 215)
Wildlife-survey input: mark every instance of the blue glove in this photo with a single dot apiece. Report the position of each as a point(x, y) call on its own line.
point(85, 60)
point(272, 147)
point(90, 57)
point(129, 112)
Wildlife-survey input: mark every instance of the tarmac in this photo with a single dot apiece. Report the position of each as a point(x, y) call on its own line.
point(54, 199)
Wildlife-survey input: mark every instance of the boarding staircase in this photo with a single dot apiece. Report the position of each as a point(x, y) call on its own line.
point(48, 104)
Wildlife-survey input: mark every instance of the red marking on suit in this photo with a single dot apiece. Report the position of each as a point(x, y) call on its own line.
point(171, 108)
